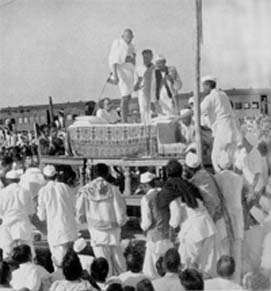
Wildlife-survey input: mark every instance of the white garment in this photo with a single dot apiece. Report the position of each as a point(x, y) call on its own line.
point(188, 132)
point(131, 279)
point(231, 185)
point(217, 107)
point(257, 164)
point(86, 261)
point(146, 93)
point(15, 207)
point(170, 282)
point(120, 50)
point(65, 285)
point(197, 234)
point(29, 276)
point(109, 116)
point(56, 206)
point(221, 284)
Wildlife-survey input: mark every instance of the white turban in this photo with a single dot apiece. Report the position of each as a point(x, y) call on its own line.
point(79, 245)
point(49, 171)
point(146, 177)
point(13, 175)
point(192, 160)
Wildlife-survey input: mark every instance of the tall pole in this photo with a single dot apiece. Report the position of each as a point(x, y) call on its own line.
point(51, 109)
point(198, 39)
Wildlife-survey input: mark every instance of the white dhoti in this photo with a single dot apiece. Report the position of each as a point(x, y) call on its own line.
point(166, 103)
point(154, 250)
point(114, 256)
point(144, 108)
point(126, 74)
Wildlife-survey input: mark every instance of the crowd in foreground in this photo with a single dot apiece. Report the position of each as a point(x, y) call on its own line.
point(194, 227)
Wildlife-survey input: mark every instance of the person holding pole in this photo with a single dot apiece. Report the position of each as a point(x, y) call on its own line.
point(216, 105)
point(122, 65)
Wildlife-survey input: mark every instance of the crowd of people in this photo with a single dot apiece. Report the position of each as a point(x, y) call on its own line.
point(194, 225)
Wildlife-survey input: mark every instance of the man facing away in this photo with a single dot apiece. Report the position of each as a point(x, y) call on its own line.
point(187, 126)
point(171, 281)
point(145, 86)
point(101, 205)
point(168, 83)
point(107, 112)
point(16, 208)
point(155, 223)
point(216, 105)
point(225, 270)
point(122, 65)
point(55, 206)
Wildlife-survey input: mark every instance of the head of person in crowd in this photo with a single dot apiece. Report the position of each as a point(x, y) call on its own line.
point(160, 62)
point(12, 176)
point(191, 279)
point(101, 170)
point(256, 281)
point(145, 285)
point(262, 148)
point(21, 254)
point(99, 270)
point(225, 267)
point(134, 262)
point(191, 102)
point(80, 245)
point(147, 181)
point(192, 164)
point(71, 266)
point(53, 131)
point(114, 287)
point(5, 167)
point(5, 274)
point(45, 131)
point(188, 114)
point(174, 169)
point(49, 173)
point(66, 174)
point(107, 104)
point(147, 55)
point(208, 84)
point(224, 161)
point(172, 261)
point(127, 35)
point(129, 288)
point(160, 267)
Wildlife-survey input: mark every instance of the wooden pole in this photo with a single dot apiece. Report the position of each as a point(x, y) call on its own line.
point(51, 109)
point(198, 31)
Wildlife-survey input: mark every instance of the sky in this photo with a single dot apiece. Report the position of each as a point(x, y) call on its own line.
point(60, 48)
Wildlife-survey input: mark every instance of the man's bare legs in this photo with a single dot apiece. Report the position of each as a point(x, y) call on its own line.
point(124, 108)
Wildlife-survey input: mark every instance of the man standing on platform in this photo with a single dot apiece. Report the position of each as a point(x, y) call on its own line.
point(168, 83)
point(145, 86)
point(122, 65)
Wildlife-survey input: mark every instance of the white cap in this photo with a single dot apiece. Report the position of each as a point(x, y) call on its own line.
point(208, 78)
point(224, 161)
point(49, 171)
point(192, 160)
point(146, 177)
point(13, 175)
point(192, 146)
point(191, 100)
point(186, 111)
point(159, 58)
point(79, 245)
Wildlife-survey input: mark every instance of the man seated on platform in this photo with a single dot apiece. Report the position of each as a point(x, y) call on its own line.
point(107, 112)
point(187, 126)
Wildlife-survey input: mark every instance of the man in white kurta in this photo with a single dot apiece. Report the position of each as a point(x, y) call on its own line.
point(145, 86)
point(187, 126)
point(168, 83)
point(56, 207)
point(101, 205)
point(217, 107)
point(231, 185)
point(16, 207)
point(155, 223)
point(122, 65)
